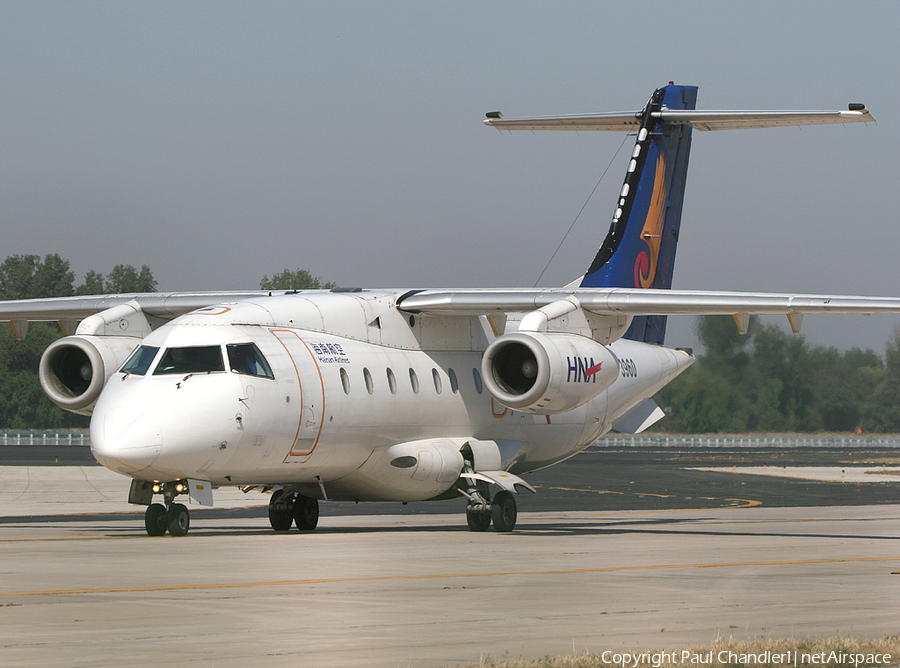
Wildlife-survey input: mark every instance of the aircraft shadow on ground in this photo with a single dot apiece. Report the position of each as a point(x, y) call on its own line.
point(130, 524)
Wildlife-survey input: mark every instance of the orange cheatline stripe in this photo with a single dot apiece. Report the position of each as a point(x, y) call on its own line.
point(438, 576)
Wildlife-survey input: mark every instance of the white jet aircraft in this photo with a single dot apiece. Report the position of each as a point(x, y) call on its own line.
point(404, 395)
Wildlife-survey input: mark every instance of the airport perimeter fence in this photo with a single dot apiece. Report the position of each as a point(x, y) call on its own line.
point(79, 437)
point(673, 441)
point(19, 437)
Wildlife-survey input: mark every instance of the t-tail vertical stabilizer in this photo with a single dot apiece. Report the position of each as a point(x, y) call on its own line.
point(639, 249)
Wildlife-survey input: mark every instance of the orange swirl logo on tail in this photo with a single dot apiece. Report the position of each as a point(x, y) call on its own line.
point(644, 265)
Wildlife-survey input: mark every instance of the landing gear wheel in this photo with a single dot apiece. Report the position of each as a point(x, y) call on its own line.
point(156, 520)
point(280, 516)
point(306, 513)
point(478, 521)
point(179, 520)
point(503, 510)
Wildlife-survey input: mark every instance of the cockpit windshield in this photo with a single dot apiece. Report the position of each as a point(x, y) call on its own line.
point(248, 360)
point(194, 359)
point(140, 360)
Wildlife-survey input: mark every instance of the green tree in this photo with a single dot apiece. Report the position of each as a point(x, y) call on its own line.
point(783, 363)
point(122, 279)
point(774, 381)
point(702, 400)
point(25, 404)
point(845, 385)
point(93, 284)
point(299, 279)
point(720, 337)
point(125, 278)
point(27, 277)
point(883, 411)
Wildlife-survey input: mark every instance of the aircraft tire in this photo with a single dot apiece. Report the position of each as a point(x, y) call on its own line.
point(280, 517)
point(179, 520)
point(503, 511)
point(478, 521)
point(156, 519)
point(306, 513)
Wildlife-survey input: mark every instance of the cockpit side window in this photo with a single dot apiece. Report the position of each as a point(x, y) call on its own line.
point(140, 360)
point(194, 359)
point(248, 360)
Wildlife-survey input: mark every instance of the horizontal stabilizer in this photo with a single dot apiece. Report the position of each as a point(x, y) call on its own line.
point(700, 120)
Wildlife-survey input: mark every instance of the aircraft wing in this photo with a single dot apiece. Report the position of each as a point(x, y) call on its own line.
point(165, 305)
point(469, 302)
point(701, 120)
point(636, 301)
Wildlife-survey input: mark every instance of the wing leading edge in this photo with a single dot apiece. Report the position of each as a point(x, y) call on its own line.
point(636, 301)
point(165, 305)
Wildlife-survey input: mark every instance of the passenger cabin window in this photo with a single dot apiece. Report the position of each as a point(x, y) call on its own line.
point(247, 360)
point(437, 380)
point(479, 385)
point(140, 360)
point(414, 381)
point(392, 381)
point(454, 384)
point(370, 386)
point(345, 381)
point(194, 359)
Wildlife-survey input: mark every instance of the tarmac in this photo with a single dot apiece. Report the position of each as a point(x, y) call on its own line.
point(619, 550)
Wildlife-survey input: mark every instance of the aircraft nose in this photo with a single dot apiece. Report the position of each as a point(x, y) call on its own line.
point(125, 439)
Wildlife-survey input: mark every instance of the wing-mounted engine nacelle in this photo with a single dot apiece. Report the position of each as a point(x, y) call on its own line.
point(548, 373)
point(74, 370)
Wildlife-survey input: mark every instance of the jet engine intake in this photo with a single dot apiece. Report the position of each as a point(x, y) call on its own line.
point(74, 369)
point(545, 374)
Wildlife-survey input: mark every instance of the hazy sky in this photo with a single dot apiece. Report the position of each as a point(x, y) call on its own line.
point(220, 141)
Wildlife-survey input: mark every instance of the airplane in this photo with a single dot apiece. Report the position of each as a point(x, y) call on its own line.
point(405, 394)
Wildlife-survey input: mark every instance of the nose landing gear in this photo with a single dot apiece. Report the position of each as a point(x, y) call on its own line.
point(156, 519)
point(171, 517)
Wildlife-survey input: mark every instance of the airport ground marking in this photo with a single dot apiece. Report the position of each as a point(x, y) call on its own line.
point(746, 503)
point(434, 576)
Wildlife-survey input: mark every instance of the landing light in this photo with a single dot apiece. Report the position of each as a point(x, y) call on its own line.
point(180, 487)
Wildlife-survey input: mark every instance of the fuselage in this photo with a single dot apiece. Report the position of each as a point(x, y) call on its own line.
point(316, 389)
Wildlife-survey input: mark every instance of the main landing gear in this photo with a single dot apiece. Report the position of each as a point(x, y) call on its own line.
point(501, 511)
point(172, 517)
point(287, 508)
point(480, 512)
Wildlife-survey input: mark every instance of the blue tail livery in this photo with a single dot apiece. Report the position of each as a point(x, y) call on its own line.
point(639, 249)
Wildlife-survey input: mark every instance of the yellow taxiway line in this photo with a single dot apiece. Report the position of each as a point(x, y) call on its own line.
point(437, 576)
